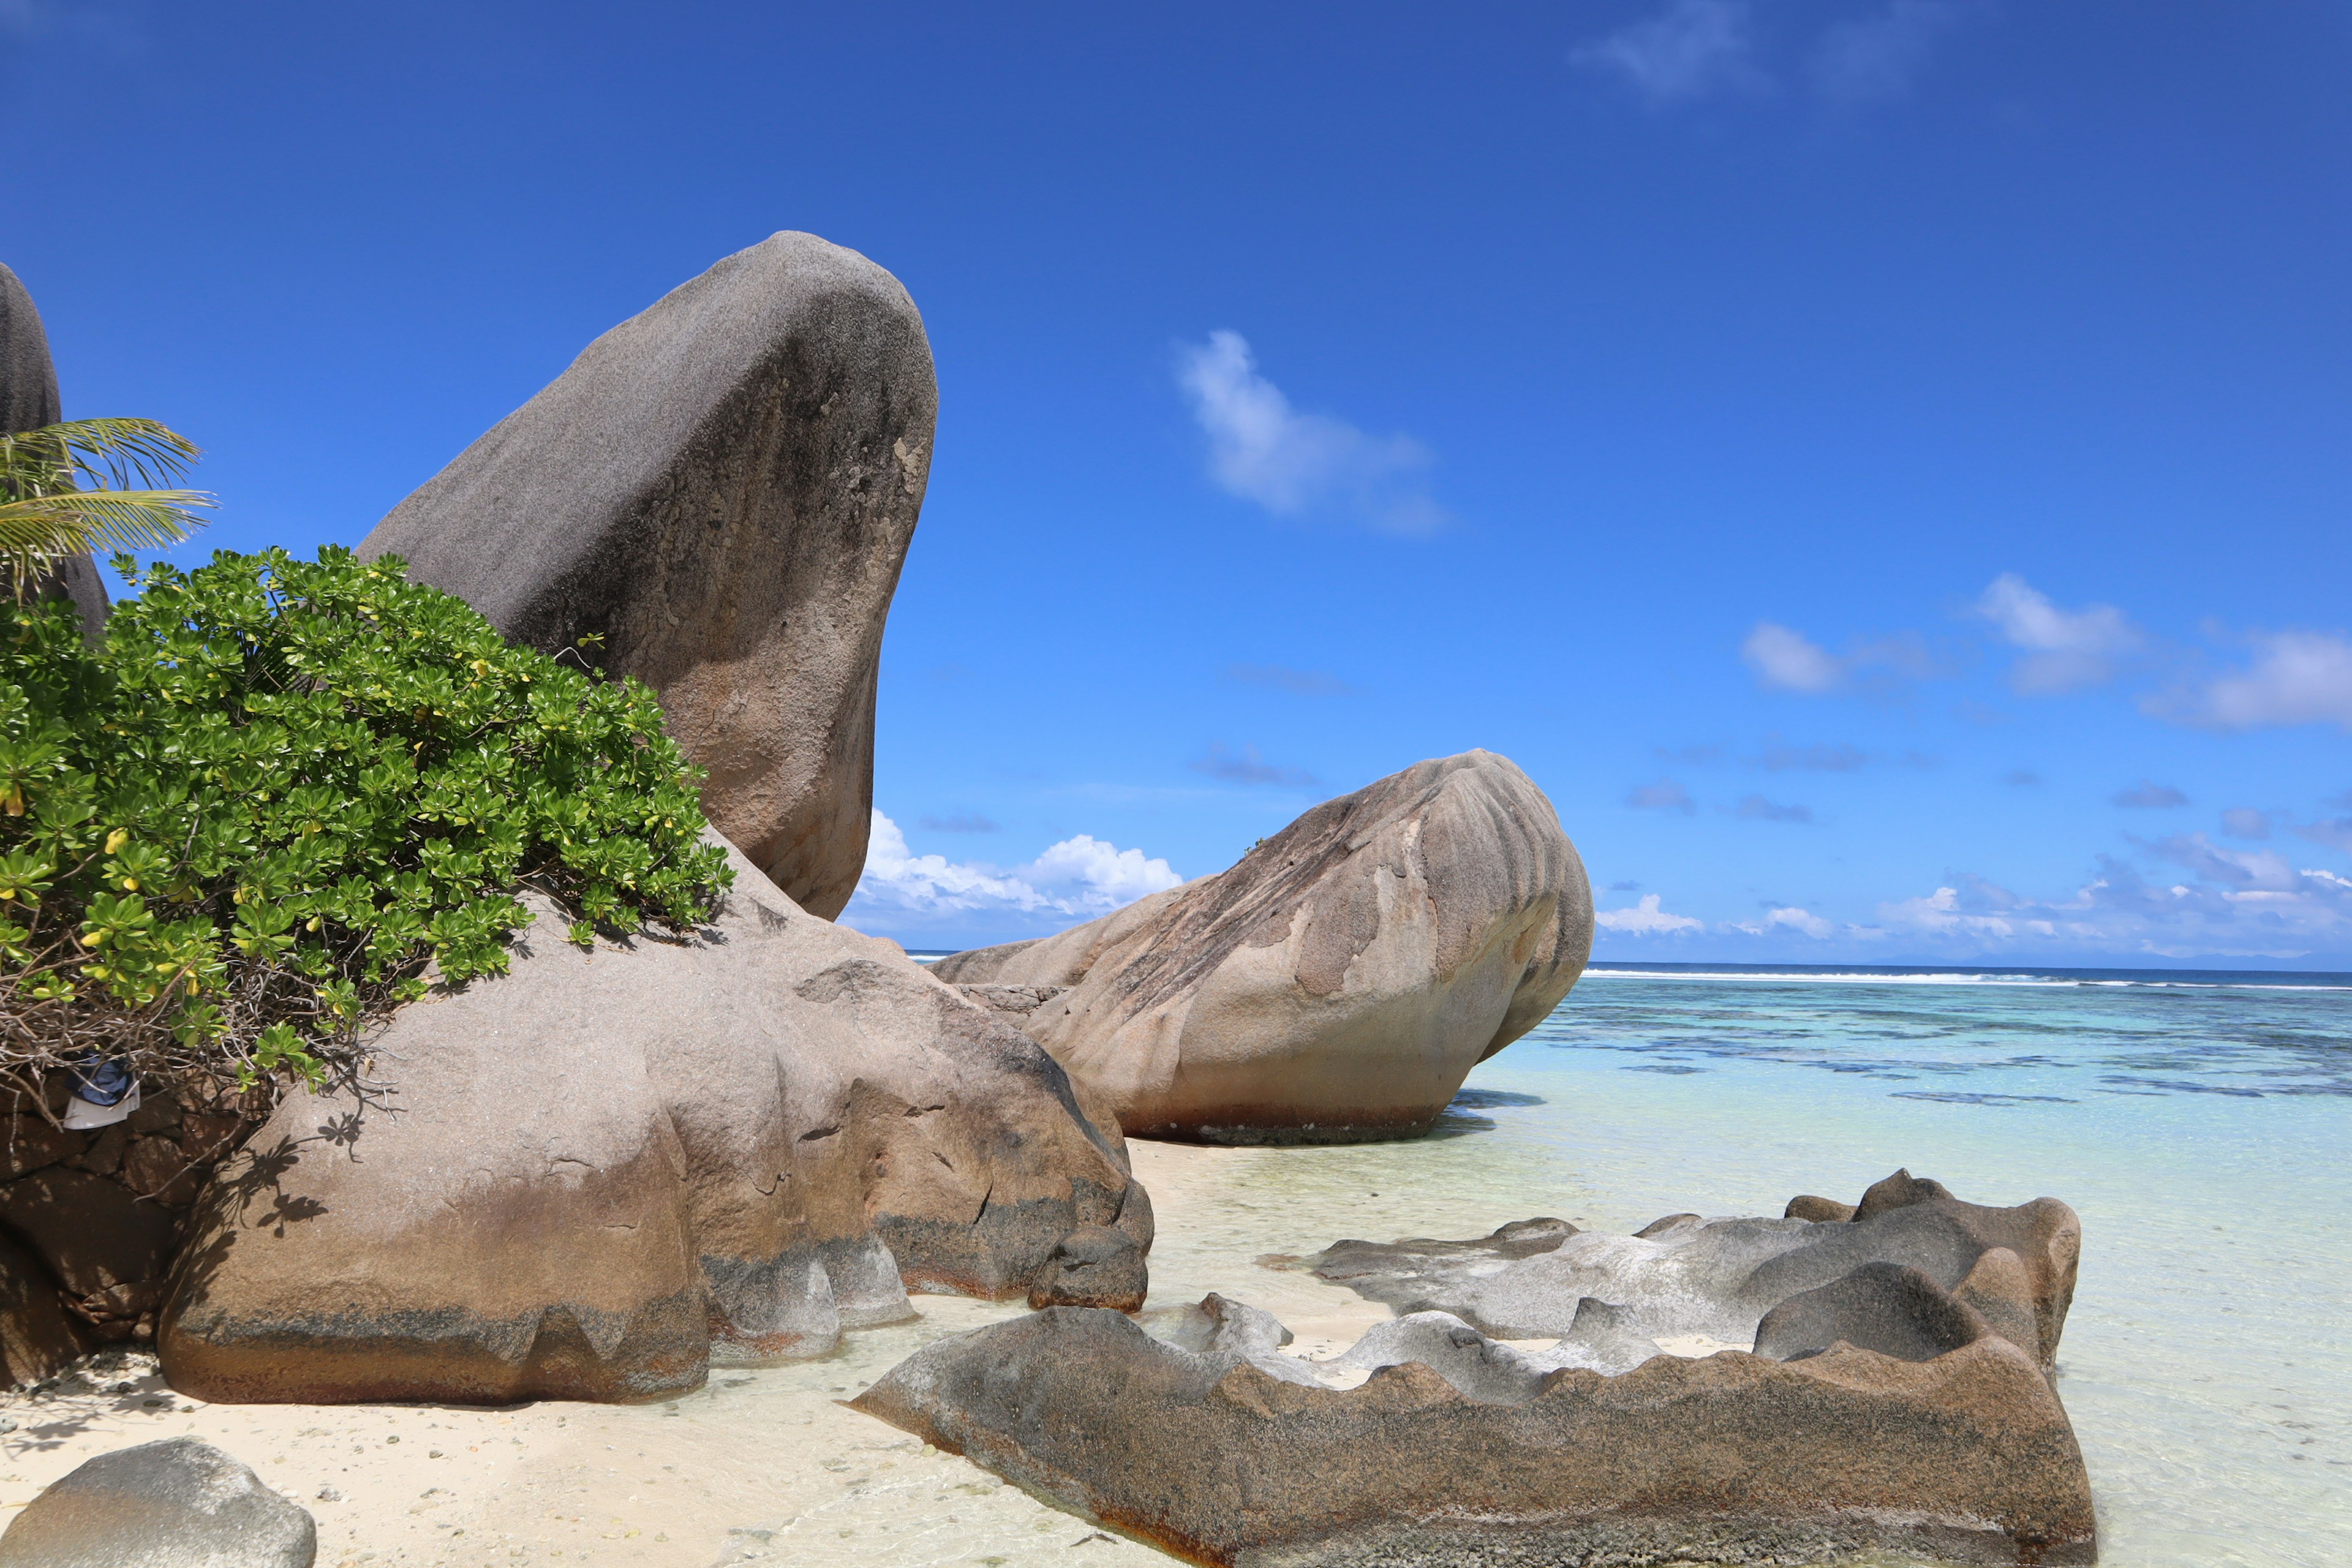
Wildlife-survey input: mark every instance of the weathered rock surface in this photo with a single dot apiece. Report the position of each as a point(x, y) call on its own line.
point(605, 1170)
point(722, 488)
point(1463, 1453)
point(1916, 1272)
point(37, 1337)
point(1339, 983)
point(179, 1503)
point(29, 400)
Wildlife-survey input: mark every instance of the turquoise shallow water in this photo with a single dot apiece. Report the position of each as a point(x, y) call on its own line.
point(2199, 1128)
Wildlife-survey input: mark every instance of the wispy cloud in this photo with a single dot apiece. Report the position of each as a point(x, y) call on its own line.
point(1874, 58)
point(2296, 678)
point(1244, 765)
point(2065, 650)
point(2336, 835)
point(1688, 50)
point(1815, 759)
point(1298, 682)
point(1802, 921)
point(1689, 756)
point(2245, 822)
point(1645, 918)
point(1294, 464)
point(1755, 808)
point(2146, 796)
point(1077, 879)
point(1788, 660)
point(2021, 778)
point(962, 822)
point(1664, 795)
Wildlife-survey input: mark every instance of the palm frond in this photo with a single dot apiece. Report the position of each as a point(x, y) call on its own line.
point(122, 454)
point(46, 513)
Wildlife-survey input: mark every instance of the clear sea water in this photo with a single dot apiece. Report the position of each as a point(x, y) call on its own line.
point(2198, 1121)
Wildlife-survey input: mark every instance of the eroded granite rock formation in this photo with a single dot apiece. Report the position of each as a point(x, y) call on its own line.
point(1339, 983)
point(29, 400)
point(1460, 1451)
point(723, 489)
point(179, 1503)
point(1915, 1268)
point(604, 1171)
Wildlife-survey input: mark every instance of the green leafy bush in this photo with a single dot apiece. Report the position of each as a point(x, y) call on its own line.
point(246, 823)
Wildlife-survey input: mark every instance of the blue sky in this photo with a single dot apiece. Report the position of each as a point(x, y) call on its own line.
point(1881, 465)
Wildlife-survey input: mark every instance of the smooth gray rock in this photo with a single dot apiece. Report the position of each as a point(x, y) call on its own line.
point(1890, 1307)
point(1335, 986)
point(607, 1170)
point(29, 400)
point(2009, 1271)
point(723, 488)
point(179, 1503)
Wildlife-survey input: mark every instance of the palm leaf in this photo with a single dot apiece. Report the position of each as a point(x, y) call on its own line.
point(46, 513)
point(121, 454)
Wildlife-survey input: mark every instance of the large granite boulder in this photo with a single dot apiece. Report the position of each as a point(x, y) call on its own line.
point(1458, 1450)
point(1339, 983)
point(29, 400)
point(1914, 1272)
point(179, 1503)
point(602, 1172)
point(722, 488)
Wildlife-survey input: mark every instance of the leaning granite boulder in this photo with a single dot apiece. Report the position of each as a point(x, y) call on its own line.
point(600, 1172)
point(1916, 1272)
point(722, 488)
point(1338, 983)
point(179, 1503)
point(1460, 1450)
point(29, 400)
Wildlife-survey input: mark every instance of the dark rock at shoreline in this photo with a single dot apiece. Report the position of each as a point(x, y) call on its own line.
point(1335, 986)
point(604, 1171)
point(2009, 1271)
point(1093, 1266)
point(1219, 1458)
point(29, 400)
point(723, 489)
point(179, 1503)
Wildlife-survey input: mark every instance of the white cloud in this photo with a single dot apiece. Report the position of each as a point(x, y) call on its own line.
point(1077, 879)
point(1645, 919)
point(2238, 906)
point(2065, 649)
point(1687, 51)
point(1790, 661)
point(1263, 451)
point(1874, 58)
point(1789, 919)
point(2298, 677)
point(2336, 835)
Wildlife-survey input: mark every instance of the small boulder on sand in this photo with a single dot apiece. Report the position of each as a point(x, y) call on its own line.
point(179, 1503)
point(1339, 983)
